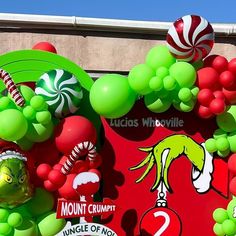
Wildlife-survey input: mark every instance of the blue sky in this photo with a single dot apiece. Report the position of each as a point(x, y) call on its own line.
point(155, 10)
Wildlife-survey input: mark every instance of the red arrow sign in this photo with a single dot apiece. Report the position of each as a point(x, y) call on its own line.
point(71, 209)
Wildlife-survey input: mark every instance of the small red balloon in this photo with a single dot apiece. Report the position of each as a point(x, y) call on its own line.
point(232, 66)
point(227, 80)
point(67, 191)
point(80, 166)
point(232, 163)
point(220, 64)
point(49, 186)
point(219, 94)
point(204, 112)
point(57, 167)
point(230, 96)
point(232, 186)
point(205, 97)
point(96, 162)
point(45, 46)
point(208, 78)
point(72, 131)
point(56, 177)
point(43, 171)
point(217, 106)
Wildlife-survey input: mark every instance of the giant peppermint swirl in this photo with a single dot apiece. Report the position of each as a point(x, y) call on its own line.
point(61, 90)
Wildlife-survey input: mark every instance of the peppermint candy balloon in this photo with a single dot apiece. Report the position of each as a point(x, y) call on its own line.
point(61, 90)
point(190, 38)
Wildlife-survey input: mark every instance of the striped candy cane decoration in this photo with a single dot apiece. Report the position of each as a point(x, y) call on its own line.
point(11, 88)
point(76, 153)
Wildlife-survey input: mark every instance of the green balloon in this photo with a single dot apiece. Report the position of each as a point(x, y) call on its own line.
point(27, 228)
point(220, 215)
point(162, 72)
point(29, 113)
point(185, 94)
point(156, 83)
point(27, 93)
point(24, 144)
point(139, 78)
point(232, 141)
point(38, 103)
point(39, 132)
point(218, 230)
point(229, 227)
point(222, 144)
point(159, 56)
point(5, 228)
point(13, 125)
point(184, 73)
point(195, 91)
point(211, 145)
point(15, 219)
point(111, 96)
point(43, 117)
point(219, 133)
point(223, 153)
point(156, 104)
point(184, 106)
point(169, 83)
point(231, 210)
point(41, 203)
point(48, 224)
point(227, 120)
point(3, 215)
point(6, 103)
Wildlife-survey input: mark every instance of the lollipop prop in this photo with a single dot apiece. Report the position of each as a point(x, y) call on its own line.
point(11, 87)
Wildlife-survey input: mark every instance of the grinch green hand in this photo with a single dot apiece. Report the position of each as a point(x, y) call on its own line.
point(174, 146)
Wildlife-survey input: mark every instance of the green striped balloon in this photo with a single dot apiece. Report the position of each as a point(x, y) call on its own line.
point(61, 90)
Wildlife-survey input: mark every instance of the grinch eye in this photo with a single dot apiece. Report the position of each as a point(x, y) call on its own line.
point(7, 178)
point(22, 179)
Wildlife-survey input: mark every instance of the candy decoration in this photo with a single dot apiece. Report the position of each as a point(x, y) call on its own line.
point(61, 90)
point(76, 153)
point(190, 38)
point(11, 87)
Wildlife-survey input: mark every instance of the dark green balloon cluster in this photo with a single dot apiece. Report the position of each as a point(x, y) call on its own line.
point(163, 81)
point(225, 220)
point(33, 218)
point(28, 124)
point(224, 138)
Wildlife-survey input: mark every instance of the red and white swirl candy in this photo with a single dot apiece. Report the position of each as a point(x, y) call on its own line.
point(190, 38)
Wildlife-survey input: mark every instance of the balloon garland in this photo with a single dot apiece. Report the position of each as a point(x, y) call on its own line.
point(182, 75)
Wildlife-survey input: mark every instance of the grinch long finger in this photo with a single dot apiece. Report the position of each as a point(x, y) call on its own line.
point(173, 146)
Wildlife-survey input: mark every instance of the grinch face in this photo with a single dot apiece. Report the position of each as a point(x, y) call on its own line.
point(15, 187)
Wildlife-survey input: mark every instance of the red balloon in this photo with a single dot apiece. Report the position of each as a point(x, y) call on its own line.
point(230, 96)
point(49, 186)
point(43, 171)
point(232, 66)
point(232, 186)
point(219, 94)
point(45, 46)
point(72, 131)
point(80, 166)
point(217, 106)
point(56, 177)
point(204, 112)
point(160, 221)
point(67, 191)
point(57, 166)
point(205, 96)
point(227, 80)
point(208, 78)
point(232, 163)
point(220, 64)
